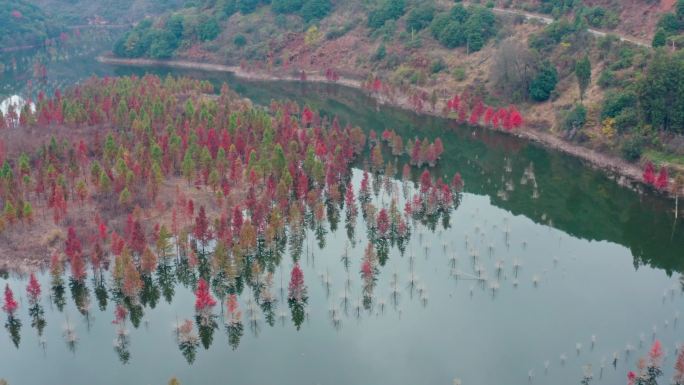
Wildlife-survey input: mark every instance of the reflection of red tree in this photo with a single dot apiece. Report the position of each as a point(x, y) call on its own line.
point(678, 378)
point(203, 299)
point(233, 311)
point(383, 222)
point(33, 289)
point(119, 314)
point(10, 305)
point(296, 289)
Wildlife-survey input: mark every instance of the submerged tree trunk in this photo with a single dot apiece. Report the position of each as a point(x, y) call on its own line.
point(676, 206)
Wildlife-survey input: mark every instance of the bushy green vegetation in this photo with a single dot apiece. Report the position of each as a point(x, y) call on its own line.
point(309, 10)
point(468, 27)
point(599, 17)
point(544, 83)
point(647, 103)
point(420, 17)
point(660, 92)
point(385, 11)
point(552, 35)
point(77, 12)
point(557, 7)
point(161, 41)
point(22, 23)
point(575, 118)
point(583, 74)
point(670, 26)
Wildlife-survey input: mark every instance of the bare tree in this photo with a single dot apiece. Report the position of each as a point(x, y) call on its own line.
point(513, 69)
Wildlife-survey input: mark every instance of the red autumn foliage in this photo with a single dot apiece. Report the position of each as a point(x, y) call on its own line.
point(102, 230)
point(73, 250)
point(33, 289)
point(678, 378)
point(489, 114)
point(307, 116)
point(383, 222)
point(237, 219)
point(476, 113)
point(203, 299)
point(58, 203)
point(655, 354)
point(649, 174)
point(117, 244)
point(331, 75)
point(631, 378)
point(377, 85)
point(201, 230)
point(190, 209)
point(296, 288)
point(425, 181)
point(72, 245)
point(457, 182)
point(366, 269)
point(120, 314)
point(249, 198)
point(515, 120)
point(10, 305)
point(138, 238)
point(663, 180)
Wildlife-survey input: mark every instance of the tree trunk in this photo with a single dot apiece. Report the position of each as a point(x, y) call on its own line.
point(676, 206)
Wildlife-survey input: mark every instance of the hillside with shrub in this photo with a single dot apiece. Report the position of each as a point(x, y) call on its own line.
point(597, 91)
point(78, 12)
point(637, 18)
point(24, 24)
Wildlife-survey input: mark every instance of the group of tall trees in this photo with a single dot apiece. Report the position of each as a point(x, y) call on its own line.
point(309, 10)
point(521, 74)
point(461, 26)
point(669, 26)
point(128, 149)
point(660, 93)
point(650, 368)
point(159, 41)
point(23, 23)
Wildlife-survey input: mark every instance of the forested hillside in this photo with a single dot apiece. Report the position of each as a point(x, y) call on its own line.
point(23, 23)
point(114, 11)
point(593, 89)
point(637, 18)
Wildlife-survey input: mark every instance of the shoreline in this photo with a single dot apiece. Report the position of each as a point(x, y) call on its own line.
point(626, 174)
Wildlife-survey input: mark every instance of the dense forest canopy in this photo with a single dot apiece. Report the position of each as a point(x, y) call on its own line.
point(23, 23)
point(79, 12)
point(631, 109)
point(608, 92)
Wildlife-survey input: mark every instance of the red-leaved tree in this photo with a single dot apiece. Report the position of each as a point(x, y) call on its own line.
point(663, 180)
point(201, 230)
point(383, 223)
point(649, 173)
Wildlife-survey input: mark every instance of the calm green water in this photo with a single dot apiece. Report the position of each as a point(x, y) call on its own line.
point(607, 262)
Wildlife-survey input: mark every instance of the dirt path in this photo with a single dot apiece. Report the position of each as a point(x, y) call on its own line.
point(626, 173)
point(595, 32)
point(548, 20)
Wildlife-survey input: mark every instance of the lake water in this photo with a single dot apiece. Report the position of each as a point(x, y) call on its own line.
point(596, 259)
